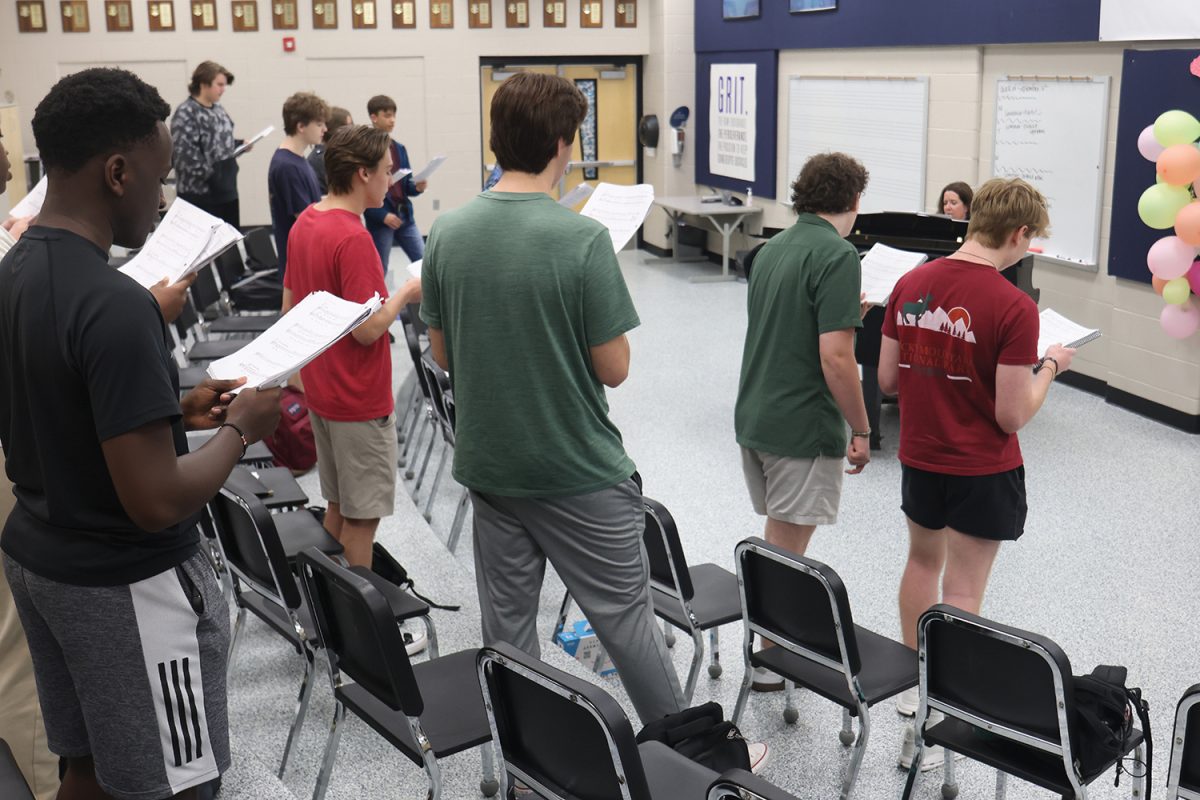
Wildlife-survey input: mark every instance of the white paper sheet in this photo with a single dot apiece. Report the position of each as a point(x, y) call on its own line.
point(1057, 329)
point(429, 169)
point(255, 139)
point(398, 175)
point(882, 267)
point(576, 195)
point(414, 268)
point(310, 328)
point(175, 247)
point(622, 209)
point(30, 204)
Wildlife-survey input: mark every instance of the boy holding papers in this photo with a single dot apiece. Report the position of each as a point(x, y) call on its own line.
point(349, 386)
point(959, 343)
point(102, 549)
point(391, 220)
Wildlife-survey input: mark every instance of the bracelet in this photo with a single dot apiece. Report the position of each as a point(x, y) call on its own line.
point(860, 434)
point(240, 432)
point(1042, 362)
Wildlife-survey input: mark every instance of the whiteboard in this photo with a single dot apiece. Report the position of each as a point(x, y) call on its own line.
point(1053, 134)
point(1134, 20)
point(882, 122)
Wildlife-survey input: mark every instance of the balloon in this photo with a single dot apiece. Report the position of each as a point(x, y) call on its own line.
point(1148, 146)
point(1170, 258)
point(1176, 292)
point(1179, 164)
point(1158, 284)
point(1193, 277)
point(1160, 204)
point(1176, 127)
point(1187, 223)
point(1180, 322)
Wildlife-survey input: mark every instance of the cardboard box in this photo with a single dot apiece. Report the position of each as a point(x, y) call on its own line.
point(579, 640)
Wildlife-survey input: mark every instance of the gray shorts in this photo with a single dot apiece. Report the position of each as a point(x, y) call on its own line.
point(802, 491)
point(132, 675)
point(356, 463)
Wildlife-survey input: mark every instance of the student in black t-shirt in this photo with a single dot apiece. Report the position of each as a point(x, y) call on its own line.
point(125, 621)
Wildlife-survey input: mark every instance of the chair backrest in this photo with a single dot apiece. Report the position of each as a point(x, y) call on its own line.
point(439, 386)
point(1184, 771)
point(738, 784)
point(359, 633)
point(260, 249)
point(187, 321)
point(204, 290)
point(566, 738)
point(230, 267)
point(1017, 682)
point(668, 566)
point(798, 603)
point(252, 546)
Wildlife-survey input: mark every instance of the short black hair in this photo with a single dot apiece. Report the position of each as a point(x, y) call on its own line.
point(93, 112)
point(380, 103)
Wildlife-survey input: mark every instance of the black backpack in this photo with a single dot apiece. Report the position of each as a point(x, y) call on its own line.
point(1104, 717)
point(703, 735)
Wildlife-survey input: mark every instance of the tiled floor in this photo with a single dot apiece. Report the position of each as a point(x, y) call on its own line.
point(1104, 567)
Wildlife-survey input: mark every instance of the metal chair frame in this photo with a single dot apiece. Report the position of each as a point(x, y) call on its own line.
point(1175, 791)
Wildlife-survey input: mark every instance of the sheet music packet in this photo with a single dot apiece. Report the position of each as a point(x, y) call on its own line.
point(414, 268)
point(429, 169)
point(622, 209)
point(253, 140)
point(310, 328)
point(576, 195)
point(185, 240)
point(398, 176)
point(1057, 329)
point(883, 267)
point(31, 204)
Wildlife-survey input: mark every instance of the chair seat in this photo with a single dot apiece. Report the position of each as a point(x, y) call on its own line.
point(671, 775)
point(402, 604)
point(748, 780)
point(299, 530)
point(257, 453)
point(274, 486)
point(254, 323)
point(888, 668)
point(454, 718)
point(716, 600)
point(1036, 766)
point(212, 349)
point(191, 377)
point(274, 615)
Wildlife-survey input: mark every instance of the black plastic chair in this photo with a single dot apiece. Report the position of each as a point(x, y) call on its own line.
point(1008, 700)
point(428, 711)
point(1183, 776)
point(189, 329)
point(567, 739)
point(12, 782)
point(206, 297)
point(260, 250)
point(276, 487)
point(693, 599)
point(801, 605)
point(738, 784)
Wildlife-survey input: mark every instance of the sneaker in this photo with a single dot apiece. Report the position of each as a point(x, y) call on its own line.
point(933, 758)
point(907, 702)
point(760, 754)
point(415, 639)
point(765, 680)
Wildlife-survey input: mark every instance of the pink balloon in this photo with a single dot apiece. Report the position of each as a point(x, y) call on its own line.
point(1180, 322)
point(1170, 257)
point(1193, 276)
point(1148, 146)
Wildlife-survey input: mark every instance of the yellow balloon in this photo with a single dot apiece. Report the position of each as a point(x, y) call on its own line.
point(1176, 292)
point(1176, 127)
point(1160, 203)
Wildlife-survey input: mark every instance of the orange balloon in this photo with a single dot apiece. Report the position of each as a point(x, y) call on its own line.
point(1179, 164)
point(1187, 223)
point(1158, 283)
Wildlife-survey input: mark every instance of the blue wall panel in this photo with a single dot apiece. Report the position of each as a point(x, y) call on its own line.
point(765, 120)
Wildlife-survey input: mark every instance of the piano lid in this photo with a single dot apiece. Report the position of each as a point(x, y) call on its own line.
point(934, 234)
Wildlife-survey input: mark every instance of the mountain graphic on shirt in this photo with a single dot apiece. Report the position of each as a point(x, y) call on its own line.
point(956, 322)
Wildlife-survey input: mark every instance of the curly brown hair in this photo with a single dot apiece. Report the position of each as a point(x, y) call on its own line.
point(303, 108)
point(829, 183)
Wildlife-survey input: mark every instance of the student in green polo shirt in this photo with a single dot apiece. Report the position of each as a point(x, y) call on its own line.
point(527, 310)
point(799, 385)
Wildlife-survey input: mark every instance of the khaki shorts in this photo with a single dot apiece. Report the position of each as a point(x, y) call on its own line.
point(802, 491)
point(356, 462)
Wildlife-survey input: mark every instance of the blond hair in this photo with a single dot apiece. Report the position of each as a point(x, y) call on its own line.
point(1004, 205)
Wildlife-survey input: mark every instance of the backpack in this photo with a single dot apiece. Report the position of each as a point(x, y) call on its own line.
point(1104, 715)
point(292, 443)
point(703, 735)
point(385, 565)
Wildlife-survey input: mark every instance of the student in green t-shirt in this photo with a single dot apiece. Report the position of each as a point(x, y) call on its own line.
point(799, 385)
point(527, 310)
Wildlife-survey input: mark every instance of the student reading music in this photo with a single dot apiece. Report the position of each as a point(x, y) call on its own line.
point(291, 182)
point(202, 134)
point(392, 222)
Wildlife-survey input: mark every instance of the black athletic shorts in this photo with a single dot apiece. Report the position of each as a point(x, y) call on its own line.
point(983, 506)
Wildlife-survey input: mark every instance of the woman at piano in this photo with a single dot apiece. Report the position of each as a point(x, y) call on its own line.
point(956, 200)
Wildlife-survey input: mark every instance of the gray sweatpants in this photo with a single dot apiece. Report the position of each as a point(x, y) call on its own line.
point(594, 542)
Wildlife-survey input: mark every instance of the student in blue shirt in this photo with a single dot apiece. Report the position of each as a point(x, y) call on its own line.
point(393, 222)
point(291, 182)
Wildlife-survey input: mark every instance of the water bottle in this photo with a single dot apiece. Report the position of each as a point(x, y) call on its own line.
point(749, 196)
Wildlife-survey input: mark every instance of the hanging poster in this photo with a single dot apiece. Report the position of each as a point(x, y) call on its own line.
point(731, 120)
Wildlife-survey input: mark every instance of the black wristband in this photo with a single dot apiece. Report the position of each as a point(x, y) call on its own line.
point(240, 433)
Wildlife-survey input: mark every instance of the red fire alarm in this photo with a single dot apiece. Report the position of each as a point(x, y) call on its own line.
point(289, 44)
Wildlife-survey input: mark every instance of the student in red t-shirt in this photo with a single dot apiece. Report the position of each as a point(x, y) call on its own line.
point(349, 387)
point(960, 345)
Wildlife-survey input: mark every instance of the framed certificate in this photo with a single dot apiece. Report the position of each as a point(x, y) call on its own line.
point(362, 14)
point(324, 14)
point(245, 15)
point(479, 14)
point(591, 14)
point(441, 14)
point(556, 14)
point(31, 16)
point(284, 15)
point(75, 16)
point(516, 13)
point(204, 15)
point(162, 15)
point(627, 13)
point(404, 13)
point(118, 15)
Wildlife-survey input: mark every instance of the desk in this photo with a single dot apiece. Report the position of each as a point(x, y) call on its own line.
point(725, 219)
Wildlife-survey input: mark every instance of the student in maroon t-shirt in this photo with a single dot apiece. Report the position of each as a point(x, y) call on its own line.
point(349, 387)
point(960, 345)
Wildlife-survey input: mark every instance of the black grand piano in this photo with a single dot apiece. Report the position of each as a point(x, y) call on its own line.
point(932, 234)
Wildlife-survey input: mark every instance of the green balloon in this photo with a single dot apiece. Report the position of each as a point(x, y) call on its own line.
point(1176, 127)
point(1176, 292)
point(1160, 203)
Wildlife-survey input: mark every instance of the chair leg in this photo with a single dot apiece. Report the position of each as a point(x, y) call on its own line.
point(790, 713)
point(238, 623)
point(1139, 778)
point(434, 772)
point(489, 786)
point(460, 518)
point(668, 633)
point(714, 649)
point(563, 610)
point(743, 693)
point(437, 479)
point(425, 462)
point(860, 749)
point(412, 419)
point(306, 686)
point(402, 420)
point(694, 669)
point(914, 771)
point(423, 422)
point(846, 735)
point(1001, 784)
point(949, 782)
point(331, 746)
point(431, 645)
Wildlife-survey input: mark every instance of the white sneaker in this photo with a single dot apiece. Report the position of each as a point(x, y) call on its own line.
point(415, 639)
point(907, 702)
point(760, 754)
point(933, 757)
point(765, 680)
